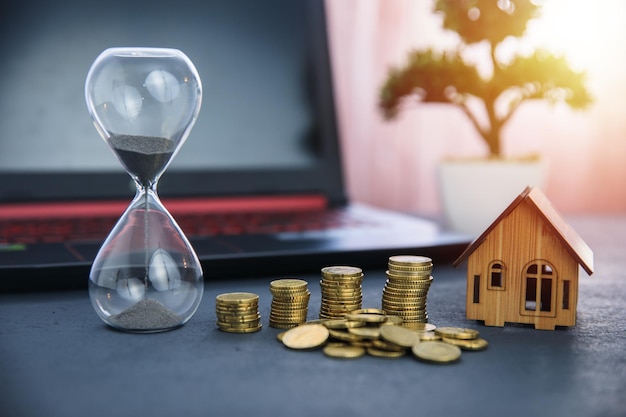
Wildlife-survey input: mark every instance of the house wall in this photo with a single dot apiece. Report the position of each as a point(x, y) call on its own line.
point(520, 238)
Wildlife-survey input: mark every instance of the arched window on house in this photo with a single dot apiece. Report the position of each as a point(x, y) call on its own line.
point(497, 275)
point(540, 286)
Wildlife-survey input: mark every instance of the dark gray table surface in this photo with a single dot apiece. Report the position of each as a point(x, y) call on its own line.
point(58, 359)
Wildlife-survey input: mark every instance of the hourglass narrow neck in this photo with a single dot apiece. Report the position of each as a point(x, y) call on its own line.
point(149, 189)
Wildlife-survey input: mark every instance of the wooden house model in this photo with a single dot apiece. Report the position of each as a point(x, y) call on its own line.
point(524, 267)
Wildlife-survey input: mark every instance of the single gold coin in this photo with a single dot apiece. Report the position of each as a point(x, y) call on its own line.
point(404, 292)
point(241, 330)
point(419, 276)
point(400, 336)
point(365, 332)
point(467, 344)
point(384, 345)
point(280, 335)
point(368, 311)
point(344, 352)
point(291, 298)
point(244, 325)
point(344, 336)
point(341, 302)
point(336, 309)
point(342, 324)
point(237, 298)
point(342, 271)
point(381, 353)
point(405, 282)
point(421, 327)
point(366, 317)
point(439, 352)
point(429, 336)
point(404, 303)
point(289, 307)
point(235, 321)
point(282, 325)
point(402, 310)
point(236, 307)
point(410, 260)
point(290, 283)
point(457, 333)
point(390, 319)
point(306, 336)
point(410, 270)
point(278, 323)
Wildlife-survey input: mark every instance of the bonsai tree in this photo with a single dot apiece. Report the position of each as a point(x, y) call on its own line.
point(446, 77)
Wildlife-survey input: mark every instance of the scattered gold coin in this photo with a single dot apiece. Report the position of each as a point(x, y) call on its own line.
point(468, 344)
point(428, 336)
point(368, 311)
point(365, 332)
point(457, 333)
point(306, 336)
point(342, 323)
point(422, 327)
point(384, 345)
point(344, 352)
point(439, 352)
point(343, 336)
point(400, 336)
point(389, 319)
point(381, 353)
point(366, 317)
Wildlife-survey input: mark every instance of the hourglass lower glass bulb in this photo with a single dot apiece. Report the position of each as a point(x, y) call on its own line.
point(144, 101)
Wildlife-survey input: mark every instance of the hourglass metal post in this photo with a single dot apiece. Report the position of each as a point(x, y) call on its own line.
point(144, 102)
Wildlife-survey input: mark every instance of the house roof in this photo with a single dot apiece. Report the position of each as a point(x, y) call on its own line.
point(572, 242)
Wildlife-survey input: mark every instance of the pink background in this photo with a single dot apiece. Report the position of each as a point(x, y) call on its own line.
point(393, 164)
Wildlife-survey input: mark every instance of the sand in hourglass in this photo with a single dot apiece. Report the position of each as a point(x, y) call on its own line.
point(143, 156)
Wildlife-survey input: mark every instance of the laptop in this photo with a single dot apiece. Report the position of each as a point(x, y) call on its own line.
point(265, 143)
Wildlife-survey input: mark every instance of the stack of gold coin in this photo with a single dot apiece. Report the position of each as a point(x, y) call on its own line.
point(238, 312)
point(341, 291)
point(290, 303)
point(404, 295)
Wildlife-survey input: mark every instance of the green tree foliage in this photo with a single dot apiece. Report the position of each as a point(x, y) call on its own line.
point(432, 77)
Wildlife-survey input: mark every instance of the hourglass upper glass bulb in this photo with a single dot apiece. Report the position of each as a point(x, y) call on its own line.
point(144, 102)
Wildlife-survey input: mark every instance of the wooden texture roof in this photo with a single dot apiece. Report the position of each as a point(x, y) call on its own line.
point(572, 242)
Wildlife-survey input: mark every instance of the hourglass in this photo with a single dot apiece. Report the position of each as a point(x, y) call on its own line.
point(144, 102)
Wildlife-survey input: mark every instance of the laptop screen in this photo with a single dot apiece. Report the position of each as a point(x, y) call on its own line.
point(266, 126)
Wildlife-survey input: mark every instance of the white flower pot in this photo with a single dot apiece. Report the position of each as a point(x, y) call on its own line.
point(475, 192)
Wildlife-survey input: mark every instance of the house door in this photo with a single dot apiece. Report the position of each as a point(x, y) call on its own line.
point(539, 289)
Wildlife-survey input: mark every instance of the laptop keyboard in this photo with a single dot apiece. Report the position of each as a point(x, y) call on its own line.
point(195, 225)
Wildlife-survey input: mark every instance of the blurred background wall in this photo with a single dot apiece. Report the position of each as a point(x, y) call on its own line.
point(393, 164)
